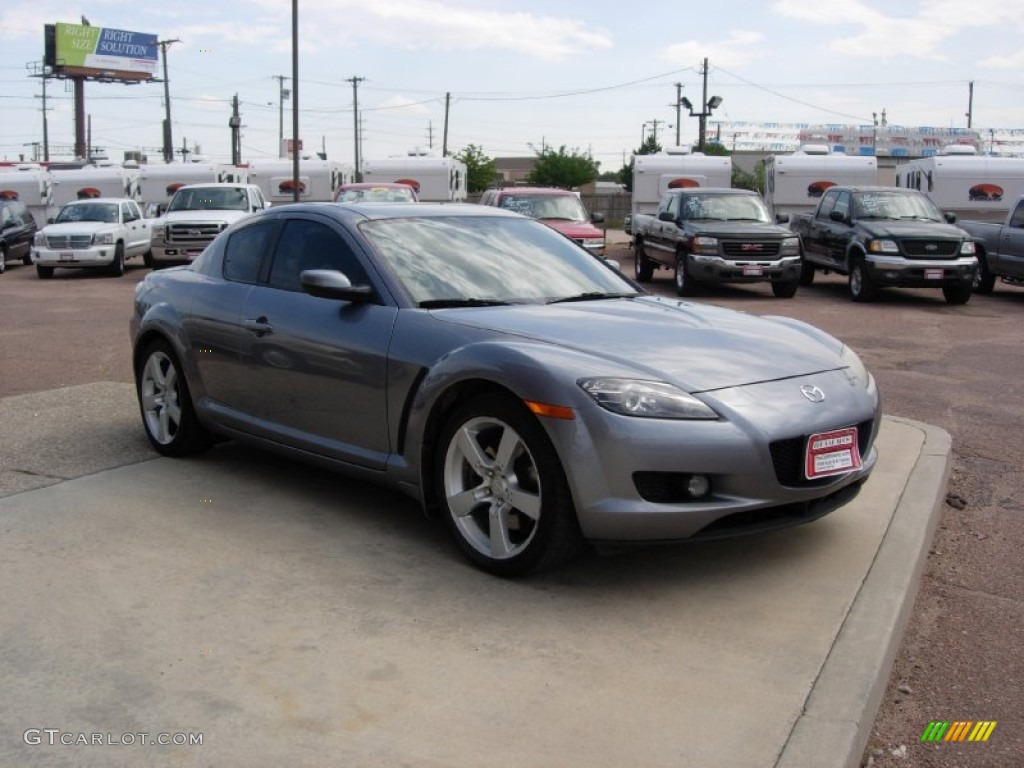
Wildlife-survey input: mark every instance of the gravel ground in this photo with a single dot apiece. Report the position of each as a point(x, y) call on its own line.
point(959, 368)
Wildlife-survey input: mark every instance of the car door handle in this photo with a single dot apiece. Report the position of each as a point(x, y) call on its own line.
point(259, 326)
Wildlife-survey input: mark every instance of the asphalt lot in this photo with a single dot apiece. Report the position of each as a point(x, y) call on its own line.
point(956, 367)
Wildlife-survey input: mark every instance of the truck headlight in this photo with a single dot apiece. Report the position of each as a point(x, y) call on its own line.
point(39, 241)
point(592, 242)
point(791, 243)
point(705, 244)
point(883, 246)
point(967, 248)
point(103, 238)
point(648, 399)
point(156, 232)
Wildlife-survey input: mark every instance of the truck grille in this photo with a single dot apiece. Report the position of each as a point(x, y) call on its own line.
point(741, 250)
point(187, 235)
point(68, 242)
point(930, 249)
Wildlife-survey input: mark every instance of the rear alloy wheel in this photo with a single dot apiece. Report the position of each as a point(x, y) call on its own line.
point(683, 282)
point(166, 404)
point(957, 294)
point(785, 290)
point(806, 272)
point(117, 265)
point(861, 287)
point(642, 266)
point(984, 281)
point(502, 490)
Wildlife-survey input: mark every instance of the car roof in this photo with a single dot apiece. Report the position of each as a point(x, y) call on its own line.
point(375, 185)
point(102, 200)
point(381, 210)
point(225, 184)
point(715, 190)
point(875, 188)
point(534, 191)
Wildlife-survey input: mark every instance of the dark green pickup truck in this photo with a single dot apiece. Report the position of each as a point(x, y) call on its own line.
point(886, 236)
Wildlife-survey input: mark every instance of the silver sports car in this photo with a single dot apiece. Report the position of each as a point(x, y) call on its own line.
point(519, 387)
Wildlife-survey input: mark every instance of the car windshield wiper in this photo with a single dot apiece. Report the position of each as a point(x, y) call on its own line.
point(594, 296)
point(445, 303)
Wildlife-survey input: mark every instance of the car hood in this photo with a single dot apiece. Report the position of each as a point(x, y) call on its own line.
point(738, 229)
point(695, 347)
point(929, 230)
point(573, 228)
point(78, 227)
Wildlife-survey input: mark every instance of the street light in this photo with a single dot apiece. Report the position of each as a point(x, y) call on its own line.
point(713, 103)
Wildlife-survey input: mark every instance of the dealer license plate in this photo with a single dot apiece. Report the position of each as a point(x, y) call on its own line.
point(66, 256)
point(934, 274)
point(832, 453)
point(753, 269)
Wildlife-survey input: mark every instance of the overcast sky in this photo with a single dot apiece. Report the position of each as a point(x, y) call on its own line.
point(521, 73)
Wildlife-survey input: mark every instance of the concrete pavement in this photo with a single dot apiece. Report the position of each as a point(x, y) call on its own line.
point(295, 617)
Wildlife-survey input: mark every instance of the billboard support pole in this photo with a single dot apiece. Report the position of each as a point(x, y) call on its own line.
point(168, 138)
point(80, 150)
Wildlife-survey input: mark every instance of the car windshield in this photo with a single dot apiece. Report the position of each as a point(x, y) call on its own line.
point(894, 205)
point(725, 208)
point(377, 194)
point(567, 206)
point(480, 260)
point(105, 212)
point(210, 198)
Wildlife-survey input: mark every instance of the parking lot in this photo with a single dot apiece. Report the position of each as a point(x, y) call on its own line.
point(959, 368)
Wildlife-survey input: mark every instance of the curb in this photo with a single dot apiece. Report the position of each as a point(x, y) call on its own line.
point(837, 717)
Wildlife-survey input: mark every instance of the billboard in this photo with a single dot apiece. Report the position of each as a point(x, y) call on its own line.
point(102, 52)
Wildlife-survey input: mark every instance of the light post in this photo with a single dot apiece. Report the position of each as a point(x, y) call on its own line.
point(710, 105)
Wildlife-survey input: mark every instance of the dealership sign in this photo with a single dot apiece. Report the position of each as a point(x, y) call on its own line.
point(105, 51)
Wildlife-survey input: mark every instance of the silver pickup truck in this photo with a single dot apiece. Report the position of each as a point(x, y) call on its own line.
point(999, 248)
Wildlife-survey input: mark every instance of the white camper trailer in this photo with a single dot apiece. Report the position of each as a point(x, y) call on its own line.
point(317, 182)
point(435, 179)
point(795, 183)
point(158, 183)
point(33, 186)
point(653, 175)
point(960, 181)
point(90, 181)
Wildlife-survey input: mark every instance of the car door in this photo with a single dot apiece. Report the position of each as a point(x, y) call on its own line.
point(819, 228)
point(138, 232)
point(1011, 245)
point(316, 368)
point(17, 233)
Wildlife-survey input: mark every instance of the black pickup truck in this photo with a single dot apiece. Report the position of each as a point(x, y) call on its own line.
point(886, 236)
point(716, 235)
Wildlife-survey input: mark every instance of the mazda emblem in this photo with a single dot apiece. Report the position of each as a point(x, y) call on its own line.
point(812, 393)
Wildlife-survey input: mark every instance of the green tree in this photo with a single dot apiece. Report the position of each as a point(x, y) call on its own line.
point(650, 146)
point(480, 169)
point(563, 168)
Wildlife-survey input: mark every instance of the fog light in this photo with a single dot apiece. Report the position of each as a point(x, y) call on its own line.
point(698, 486)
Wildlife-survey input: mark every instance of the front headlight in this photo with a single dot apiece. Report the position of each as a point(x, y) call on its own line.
point(856, 370)
point(648, 399)
point(791, 242)
point(705, 243)
point(157, 232)
point(967, 248)
point(883, 246)
point(39, 241)
point(103, 238)
point(592, 242)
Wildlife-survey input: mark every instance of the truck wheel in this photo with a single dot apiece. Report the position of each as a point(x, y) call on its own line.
point(957, 294)
point(784, 290)
point(984, 281)
point(683, 281)
point(642, 266)
point(117, 265)
point(3, 259)
point(147, 259)
point(861, 287)
point(806, 272)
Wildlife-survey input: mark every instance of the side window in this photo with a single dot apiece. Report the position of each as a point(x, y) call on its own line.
point(827, 204)
point(126, 213)
point(1017, 220)
point(306, 245)
point(673, 205)
point(664, 203)
point(843, 203)
point(6, 217)
point(244, 252)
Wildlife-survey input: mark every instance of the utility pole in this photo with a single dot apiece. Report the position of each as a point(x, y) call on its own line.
point(704, 111)
point(447, 106)
point(430, 134)
point(39, 69)
point(282, 94)
point(970, 103)
point(296, 191)
point(678, 105)
point(235, 121)
point(355, 120)
point(168, 139)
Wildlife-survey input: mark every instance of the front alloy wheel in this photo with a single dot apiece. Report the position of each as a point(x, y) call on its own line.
point(502, 490)
point(861, 287)
point(166, 404)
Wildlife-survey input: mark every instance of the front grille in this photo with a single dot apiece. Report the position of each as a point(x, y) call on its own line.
point(930, 249)
point(188, 235)
point(788, 458)
point(754, 250)
point(68, 242)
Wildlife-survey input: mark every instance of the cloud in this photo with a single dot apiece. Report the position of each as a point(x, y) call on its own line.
point(736, 51)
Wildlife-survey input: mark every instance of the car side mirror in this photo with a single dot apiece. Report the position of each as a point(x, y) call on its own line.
point(332, 284)
point(50, 219)
point(837, 216)
point(782, 218)
point(597, 218)
point(666, 216)
point(950, 217)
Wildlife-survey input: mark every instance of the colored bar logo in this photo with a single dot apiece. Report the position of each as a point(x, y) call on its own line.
point(958, 730)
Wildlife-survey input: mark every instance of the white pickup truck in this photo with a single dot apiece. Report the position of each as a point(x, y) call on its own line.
point(97, 232)
point(196, 215)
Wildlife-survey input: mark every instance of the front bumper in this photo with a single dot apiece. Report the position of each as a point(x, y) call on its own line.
point(94, 256)
point(176, 254)
point(897, 271)
point(708, 268)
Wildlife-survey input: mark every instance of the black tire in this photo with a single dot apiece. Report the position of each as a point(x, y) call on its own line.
point(526, 491)
point(147, 259)
point(806, 272)
point(27, 258)
point(45, 273)
point(785, 290)
point(3, 259)
point(165, 403)
point(984, 281)
point(861, 287)
point(681, 277)
point(117, 265)
point(957, 294)
point(643, 268)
